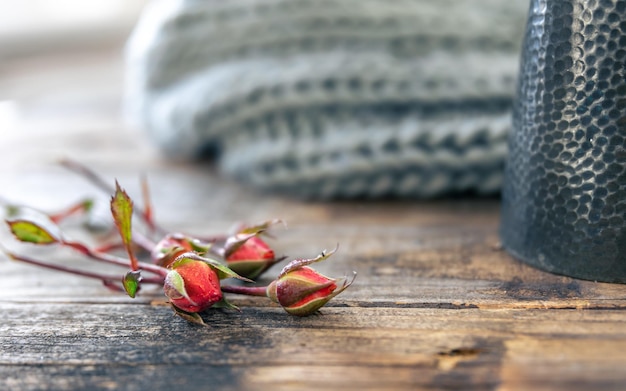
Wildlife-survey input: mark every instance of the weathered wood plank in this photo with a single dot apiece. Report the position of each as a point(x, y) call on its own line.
point(351, 347)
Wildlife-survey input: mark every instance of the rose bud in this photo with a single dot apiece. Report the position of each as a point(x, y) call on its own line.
point(302, 291)
point(192, 285)
point(248, 255)
point(174, 245)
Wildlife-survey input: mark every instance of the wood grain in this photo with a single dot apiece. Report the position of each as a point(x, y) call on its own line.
point(436, 304)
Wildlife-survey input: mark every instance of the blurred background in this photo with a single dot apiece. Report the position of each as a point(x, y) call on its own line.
point(34, 27)
point(61, 65)
point(319, 99)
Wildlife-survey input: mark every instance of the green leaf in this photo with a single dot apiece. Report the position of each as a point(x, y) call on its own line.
point(221, 270)
point(31, 232)
point(122, 211)
point(199, 246)
point(190, 317)
point(131, 283)
point(224, 271)
point(175, 286)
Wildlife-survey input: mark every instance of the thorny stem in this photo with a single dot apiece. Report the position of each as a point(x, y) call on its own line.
point(105, 248)
point(146, 214)
point(74, 209)
point(112, 259)
point(54, 217)
point(245, 290)
point(108, 280)
point(138, 238)
point(102, 184)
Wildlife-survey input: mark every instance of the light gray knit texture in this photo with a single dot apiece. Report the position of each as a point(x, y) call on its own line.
point(332, 98)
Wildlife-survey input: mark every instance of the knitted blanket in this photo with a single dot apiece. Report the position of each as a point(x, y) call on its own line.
point(332, 98)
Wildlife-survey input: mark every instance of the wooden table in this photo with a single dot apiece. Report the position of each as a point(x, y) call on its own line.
point(436, 304)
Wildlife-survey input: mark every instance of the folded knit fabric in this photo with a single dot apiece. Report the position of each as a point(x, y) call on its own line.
point(332, 98)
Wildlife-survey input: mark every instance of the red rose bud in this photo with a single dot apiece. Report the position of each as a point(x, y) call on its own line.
point(172, 246)
point(302, 291)
point(249, 255)
point(192, 286)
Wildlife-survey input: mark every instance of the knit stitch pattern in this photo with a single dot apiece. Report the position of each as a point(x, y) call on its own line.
point(332, 98)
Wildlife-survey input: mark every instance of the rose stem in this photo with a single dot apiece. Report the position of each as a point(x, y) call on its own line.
point(106, 279)
point(112, 259)
point(245, 290)
point(73, 209)
point(102, 184)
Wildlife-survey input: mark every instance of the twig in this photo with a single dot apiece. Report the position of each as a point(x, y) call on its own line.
point(106, 279)
point(246, 290)
point(114, 260)
point(94, 178)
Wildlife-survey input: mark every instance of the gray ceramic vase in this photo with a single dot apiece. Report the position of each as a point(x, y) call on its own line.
point(564, 197)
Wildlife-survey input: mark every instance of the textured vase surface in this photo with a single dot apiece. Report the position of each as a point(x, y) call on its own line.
point(564, 196)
